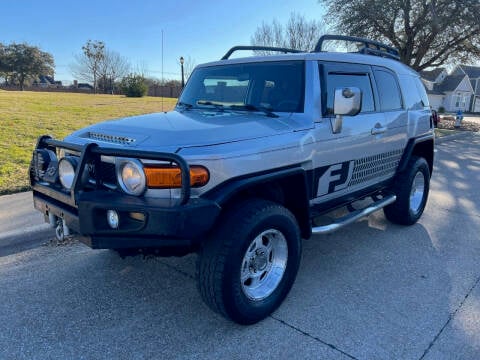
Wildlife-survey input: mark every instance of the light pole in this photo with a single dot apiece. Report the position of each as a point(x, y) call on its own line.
point(182, 60)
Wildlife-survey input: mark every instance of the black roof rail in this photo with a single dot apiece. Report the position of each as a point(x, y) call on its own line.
point(265, 48)
point(371, 47)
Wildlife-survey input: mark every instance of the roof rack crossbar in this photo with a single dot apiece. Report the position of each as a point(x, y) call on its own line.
point(371, 47)
point(264, 48)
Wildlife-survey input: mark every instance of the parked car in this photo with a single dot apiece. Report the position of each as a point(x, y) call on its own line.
point(254, 150)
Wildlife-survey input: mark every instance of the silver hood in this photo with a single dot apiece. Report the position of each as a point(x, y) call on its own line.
point(175, 130)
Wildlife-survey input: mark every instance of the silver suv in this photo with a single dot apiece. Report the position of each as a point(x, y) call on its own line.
point(254, 151)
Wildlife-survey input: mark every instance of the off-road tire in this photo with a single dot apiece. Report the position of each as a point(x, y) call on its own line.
point(401, 211)
point(220, 260)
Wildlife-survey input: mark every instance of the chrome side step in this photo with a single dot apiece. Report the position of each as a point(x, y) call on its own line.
point(354, 216)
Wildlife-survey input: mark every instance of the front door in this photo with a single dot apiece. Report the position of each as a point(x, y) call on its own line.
point(366, 151)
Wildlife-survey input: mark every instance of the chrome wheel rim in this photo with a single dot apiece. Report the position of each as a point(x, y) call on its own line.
point(416, 194)
point(264, 264)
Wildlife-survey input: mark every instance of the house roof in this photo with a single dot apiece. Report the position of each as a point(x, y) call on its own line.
point(431, 75)
point(434, 92)
point(450, 83)
point(472, 72)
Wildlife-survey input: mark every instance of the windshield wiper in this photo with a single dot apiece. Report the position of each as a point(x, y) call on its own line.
point(214, 104)
point(250, 107)
point(185, 105)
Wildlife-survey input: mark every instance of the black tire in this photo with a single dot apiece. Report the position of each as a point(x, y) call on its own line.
point(222, 257)
point(409, 206)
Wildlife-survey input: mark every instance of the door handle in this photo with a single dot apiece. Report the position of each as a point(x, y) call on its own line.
point(378, 130)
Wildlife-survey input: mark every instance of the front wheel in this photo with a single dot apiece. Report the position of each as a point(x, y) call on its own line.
point(411, 187)
point(247, 267)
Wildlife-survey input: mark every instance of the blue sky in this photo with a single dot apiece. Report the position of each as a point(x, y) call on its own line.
point(203, 30)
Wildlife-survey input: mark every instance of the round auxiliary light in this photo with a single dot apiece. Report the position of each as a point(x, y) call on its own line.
point(66, 171)
point(131, 177)
point(113, 219)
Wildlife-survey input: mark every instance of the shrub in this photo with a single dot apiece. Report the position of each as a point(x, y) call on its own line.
point(134, 85)
point(441, 110)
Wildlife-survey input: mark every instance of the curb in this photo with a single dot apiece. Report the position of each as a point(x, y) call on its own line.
point(456, 136)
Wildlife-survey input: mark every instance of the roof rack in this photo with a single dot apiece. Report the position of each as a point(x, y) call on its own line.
point(370, 47)
point(265, 48)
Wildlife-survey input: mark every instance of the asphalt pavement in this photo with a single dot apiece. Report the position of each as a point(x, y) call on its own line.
point(373, 290)
point(21, 228)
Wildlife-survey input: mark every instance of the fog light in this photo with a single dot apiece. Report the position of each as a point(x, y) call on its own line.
point(113, 219)
point(66, 171)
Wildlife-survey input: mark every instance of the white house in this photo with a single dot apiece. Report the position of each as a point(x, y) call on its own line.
point(458, 91)
point(473, 73)
point(430, 80)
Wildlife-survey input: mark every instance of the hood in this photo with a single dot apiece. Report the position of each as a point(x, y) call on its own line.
point(173, 130)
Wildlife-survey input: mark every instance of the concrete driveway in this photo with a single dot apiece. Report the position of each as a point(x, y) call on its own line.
point(371, 291)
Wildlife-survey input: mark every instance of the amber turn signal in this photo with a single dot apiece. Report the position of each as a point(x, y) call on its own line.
point(167, 177)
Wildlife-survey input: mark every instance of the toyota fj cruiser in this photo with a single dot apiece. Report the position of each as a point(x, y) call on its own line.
point(255, 149)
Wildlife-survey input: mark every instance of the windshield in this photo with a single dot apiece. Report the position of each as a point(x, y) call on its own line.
point(269, 86)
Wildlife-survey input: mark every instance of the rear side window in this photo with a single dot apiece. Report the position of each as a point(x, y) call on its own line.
point(388, 90)
point(422, 92)
point(342, 80)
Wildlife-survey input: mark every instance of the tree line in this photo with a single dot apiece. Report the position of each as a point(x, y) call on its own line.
point(105, 69)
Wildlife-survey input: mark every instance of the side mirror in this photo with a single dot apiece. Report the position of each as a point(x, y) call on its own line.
point(346, 101)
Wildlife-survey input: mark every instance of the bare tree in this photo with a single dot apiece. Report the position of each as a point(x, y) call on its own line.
point(428, 33)
point(298, 33)
point(269, 35)
point(113, 67)
point(88, 64)
point(141, 68)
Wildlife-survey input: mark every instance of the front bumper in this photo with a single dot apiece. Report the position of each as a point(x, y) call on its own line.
point(144, 222)
point(157, 226)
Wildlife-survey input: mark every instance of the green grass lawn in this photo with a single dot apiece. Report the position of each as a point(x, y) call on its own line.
point(26, 115)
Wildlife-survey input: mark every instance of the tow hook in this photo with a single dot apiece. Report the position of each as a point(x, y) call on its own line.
point(61, 229)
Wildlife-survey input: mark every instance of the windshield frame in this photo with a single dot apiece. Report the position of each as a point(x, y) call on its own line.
point(220, 87)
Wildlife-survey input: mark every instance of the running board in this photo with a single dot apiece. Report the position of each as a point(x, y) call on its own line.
point(354, 216)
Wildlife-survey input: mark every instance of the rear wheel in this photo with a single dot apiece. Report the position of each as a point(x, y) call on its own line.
point(411, 187)
point(247, 267)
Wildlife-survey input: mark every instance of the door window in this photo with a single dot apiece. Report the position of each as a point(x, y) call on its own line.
point(342, 80)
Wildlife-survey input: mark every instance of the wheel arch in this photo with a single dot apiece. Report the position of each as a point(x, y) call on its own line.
point(275, 186)
point(421, 147)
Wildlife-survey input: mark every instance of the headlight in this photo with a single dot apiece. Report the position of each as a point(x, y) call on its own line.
point(131, 177)
point(66, 171)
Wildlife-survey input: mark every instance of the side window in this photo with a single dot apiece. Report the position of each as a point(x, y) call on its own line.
point(388, 90)
point(361, 81)
point(422, 92)
point(412, 99)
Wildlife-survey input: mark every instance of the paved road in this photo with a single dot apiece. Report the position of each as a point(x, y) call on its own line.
point(371, 291)
point(21, 228)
